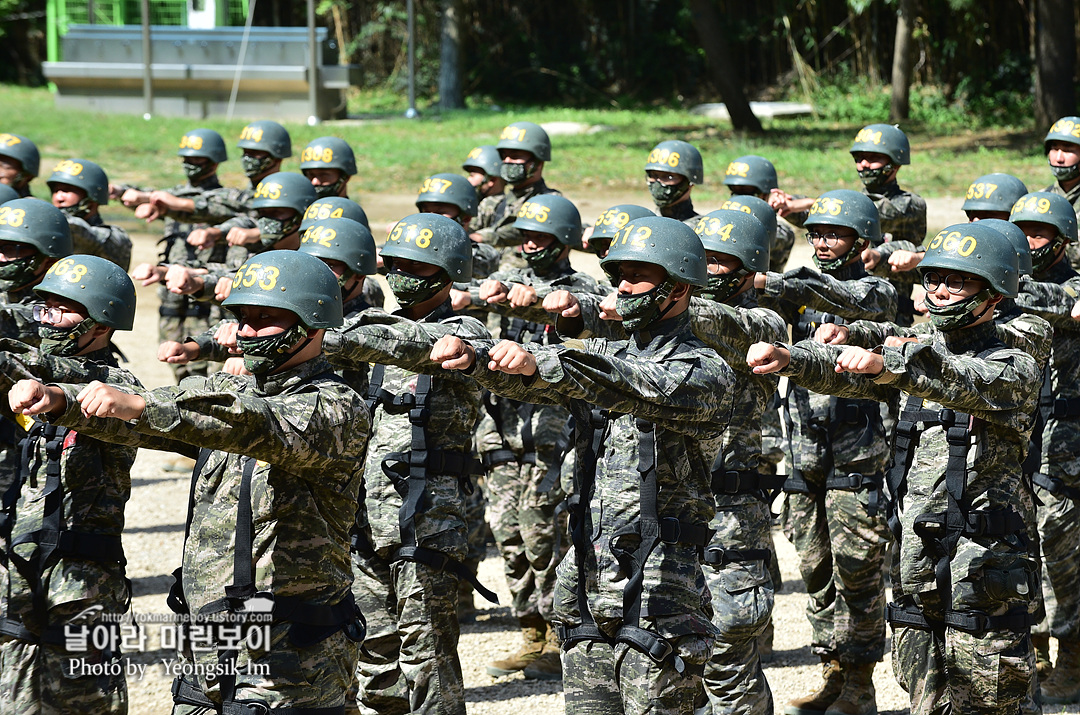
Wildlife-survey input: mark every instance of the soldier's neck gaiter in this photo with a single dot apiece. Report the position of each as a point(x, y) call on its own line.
point(643, 309)
point(269, 352)
point(960, 314)
point(63, 341)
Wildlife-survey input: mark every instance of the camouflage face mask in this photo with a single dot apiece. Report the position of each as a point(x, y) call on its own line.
point(63, 341)
point(194, 172)
point(254, 166)
point(873, 178)
point(722, 287)
point(545, 259)
point(1042, 258)
point(265, 354)
point(272, 230)
point(516, 173)
point(21, 271)
point(1066, 173)
point(664, 195)
point(412, 290)
point(327, 190)
point(79, 210)
point(643, 309)
point(957, 315)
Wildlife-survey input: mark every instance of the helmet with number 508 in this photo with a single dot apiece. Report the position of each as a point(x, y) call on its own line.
point(978, 249)
point(328, 153)
point(552, 214)
point(431, 239)
point(99, 285)
point(663, 242)
point(291, 280)
point(452, 189)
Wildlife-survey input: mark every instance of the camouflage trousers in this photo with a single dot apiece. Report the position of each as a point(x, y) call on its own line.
point(411, 662)
point(842, 551)
point(959, 672)
point(523, 521)
point(600, 679)
point(742, 602)
point(1059, 537)
point(281, 676)
point(478, 531)
point(176, 328)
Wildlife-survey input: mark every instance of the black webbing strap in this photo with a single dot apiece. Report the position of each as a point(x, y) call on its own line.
point(1055, 486)
point(191, 309)
point(974, 622)
point(717, 556)
point(1033, 460)
point(996, 522)
point(415, 482)
point(438, 561)
point(906, 439)
point(184, 692)
point(745, 481)
point(795, 482)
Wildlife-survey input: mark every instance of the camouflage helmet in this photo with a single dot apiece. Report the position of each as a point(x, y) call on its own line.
point(552, 214)
point(266, 135)
point(677, 157)
point(22, 150)
point(451, 189)
point(609, 221)
point(334, 207)
point(284, 190)
point(1066, 129)
point(977, 249)
point(329, 153)
point(84, 174)
point(99, 285)
point(738, 234)
point(37, 223)
point(755, 171)
point(1045, 207)
point(7, 194)
point(432, 239)
point(852, 209)
point(291, 280)
point(760, 210)
point(485, 158)
point(527, 137)
point(203, 143)
point(1017, 238)
point(994, 192)
point(883, 139)
point(341, 239)
point(663, 242)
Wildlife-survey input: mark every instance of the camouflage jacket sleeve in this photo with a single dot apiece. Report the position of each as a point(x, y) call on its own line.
point(210, 349)
point(111, 242)
point(380, 337)
point(17, 321)
point(578, 283)
point(1029, 333)
point(19, 361)
point(869, 333)
point(903, 216)
point(731, 331)
point(684, 395)
point(1053, 302)
point(589, 324)
point(813, 366)
point(868, 298)
point(214, 207)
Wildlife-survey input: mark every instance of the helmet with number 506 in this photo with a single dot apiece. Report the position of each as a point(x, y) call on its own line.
point(99, 285)
point(431, 239)
point(291, 280)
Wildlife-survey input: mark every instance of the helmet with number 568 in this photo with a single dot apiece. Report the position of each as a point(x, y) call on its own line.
point(291, 280)
point(99, 285)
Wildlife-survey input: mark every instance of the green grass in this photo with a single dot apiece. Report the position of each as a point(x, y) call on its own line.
point(394, 154)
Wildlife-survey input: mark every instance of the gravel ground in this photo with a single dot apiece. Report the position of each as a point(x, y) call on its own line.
point(155, 529)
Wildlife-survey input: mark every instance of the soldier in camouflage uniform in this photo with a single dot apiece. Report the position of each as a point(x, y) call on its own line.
point(524, 148)
point(672, 169)
point(834, 513)
point(284, 450)
point(756, 176)
point(1049, 222)
point(967, 589)
point(454, 197)
point(523, 446)
point(201, 150)
point(1062, 149)
point(79, 188)
point(329, 163)
point(340, 207)
point(33, 237)
point(410, 527)
point(19, 163)
point(483, 167)
point(63, 578)
point(650, 413)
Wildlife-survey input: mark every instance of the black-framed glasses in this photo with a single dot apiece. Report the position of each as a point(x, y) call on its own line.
point(954, 282)
point(44, 314)
point(830, 239)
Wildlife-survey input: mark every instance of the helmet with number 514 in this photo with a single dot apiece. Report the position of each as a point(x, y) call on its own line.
point(291, 280)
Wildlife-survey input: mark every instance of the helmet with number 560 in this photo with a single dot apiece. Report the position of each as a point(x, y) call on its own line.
point(99, 285)
point(663, 242)
point(291, 280)
point(977, 249)
point(432, 239)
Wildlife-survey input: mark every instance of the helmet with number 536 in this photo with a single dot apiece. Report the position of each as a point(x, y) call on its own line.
point(99, 285)
point(292, 280)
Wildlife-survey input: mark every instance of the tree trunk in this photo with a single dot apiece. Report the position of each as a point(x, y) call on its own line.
point(903, 51)
point(706, 21)
point(450, 94)
point(1055, 62)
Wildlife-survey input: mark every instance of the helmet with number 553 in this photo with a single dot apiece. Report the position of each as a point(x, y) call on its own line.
point(292, 280)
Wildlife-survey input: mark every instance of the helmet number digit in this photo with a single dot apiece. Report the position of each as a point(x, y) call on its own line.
point(251, 134)
point(9, 140)
point(68, 269)
point(738, 168)
point(189, 141)
point(67, 166)
point(11, 217)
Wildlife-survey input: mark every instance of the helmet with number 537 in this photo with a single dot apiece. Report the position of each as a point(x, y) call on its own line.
point(451, 189)
point(99, 285)
point(292, 280)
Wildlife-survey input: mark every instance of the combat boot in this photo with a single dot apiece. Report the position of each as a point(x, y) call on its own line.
point(817, 702)
point(857, 696)
point(1063, 685)
point(533, 631)
point(1043, 666)
point(549, 665)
